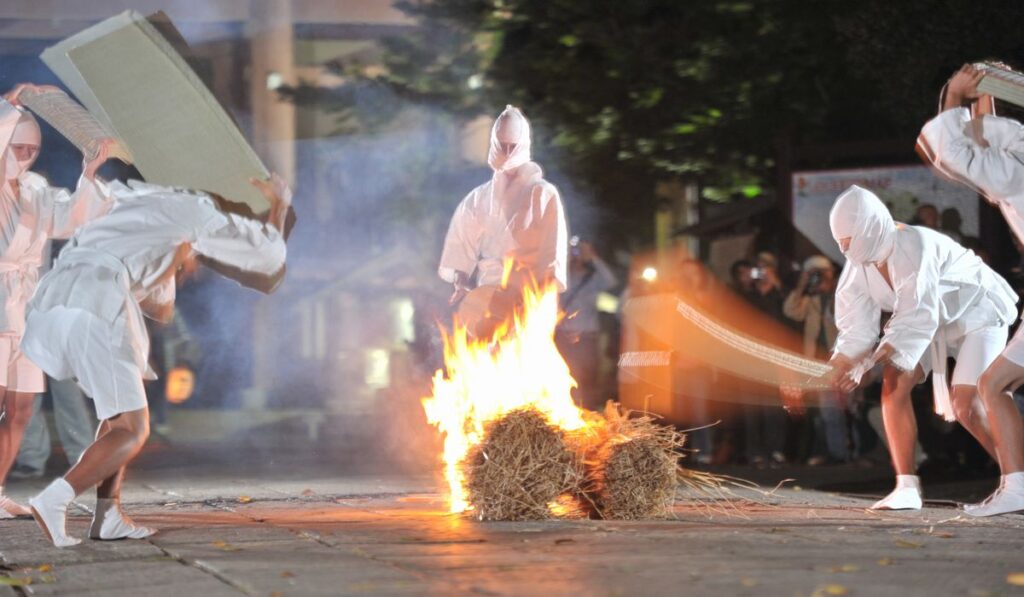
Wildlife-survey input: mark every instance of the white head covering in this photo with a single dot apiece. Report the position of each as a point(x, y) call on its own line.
point(17, 127)
point(862, 217)
point(510, 128)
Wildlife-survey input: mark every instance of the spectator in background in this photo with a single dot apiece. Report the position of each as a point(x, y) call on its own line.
point(927, 215)
point(579, 334)
point(764, 422)
point(951, 224)
point(693, 378)
point(768, 294)
point(74, 422)
point(812, 302)
point(742, 279)
point(171, 345)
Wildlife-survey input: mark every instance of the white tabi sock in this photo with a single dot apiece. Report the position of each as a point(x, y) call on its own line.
point(1014, 480)
point(110, 523)
point(50, 509)
point(1009, 497)
point(906, 496)
point(10, 508)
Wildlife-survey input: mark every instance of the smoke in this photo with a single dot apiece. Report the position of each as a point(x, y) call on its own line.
point(334, 364)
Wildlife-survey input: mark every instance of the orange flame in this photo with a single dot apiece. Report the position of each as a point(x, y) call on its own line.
point(520, 368)
point(506, 271)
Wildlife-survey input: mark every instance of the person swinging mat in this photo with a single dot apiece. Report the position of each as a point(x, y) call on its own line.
point(944, 301)
point(984, 152)
point(86, 321)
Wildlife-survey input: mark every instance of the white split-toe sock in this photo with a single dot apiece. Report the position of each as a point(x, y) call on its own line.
point(10, 508)
point(50, 509)
point(110, 523)
point(906, 496)
point(1008, 498)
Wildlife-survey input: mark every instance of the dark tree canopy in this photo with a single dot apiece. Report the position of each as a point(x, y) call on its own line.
point(625, 94)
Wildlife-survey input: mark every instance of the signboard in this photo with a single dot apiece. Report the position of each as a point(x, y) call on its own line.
point(902, 188)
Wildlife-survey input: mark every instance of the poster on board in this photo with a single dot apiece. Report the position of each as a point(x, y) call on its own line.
point(902, 188)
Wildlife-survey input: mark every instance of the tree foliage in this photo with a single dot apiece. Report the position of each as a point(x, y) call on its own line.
point(625, 94)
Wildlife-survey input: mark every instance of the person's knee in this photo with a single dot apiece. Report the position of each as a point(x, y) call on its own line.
point(963, 401)
point(20, 409)
point(21, 417)
point(142, 433)
point(988, 386)
point(895, 394)
point(139, 428)
point(135, 423)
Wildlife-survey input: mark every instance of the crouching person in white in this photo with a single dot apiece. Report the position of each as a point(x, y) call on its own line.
point(944, 301)
point(984, 152)
point(85, 322)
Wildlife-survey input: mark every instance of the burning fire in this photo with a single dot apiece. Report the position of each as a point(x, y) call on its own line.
point(485, 379)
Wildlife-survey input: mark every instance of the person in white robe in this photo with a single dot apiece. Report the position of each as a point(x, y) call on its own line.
point(516, 215)
point(31, 213)
point(86, 322)
point(945, 302)
point(987, 153)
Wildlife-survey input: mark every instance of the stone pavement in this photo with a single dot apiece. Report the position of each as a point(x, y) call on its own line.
point(229, 532)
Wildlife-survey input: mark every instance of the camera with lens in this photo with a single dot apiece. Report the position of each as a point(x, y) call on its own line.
point(813, 282)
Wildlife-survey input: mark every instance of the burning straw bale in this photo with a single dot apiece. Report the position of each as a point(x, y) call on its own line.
point(521, 466)
point(632, 467)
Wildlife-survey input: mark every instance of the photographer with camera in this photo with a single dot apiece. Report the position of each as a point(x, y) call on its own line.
point(812, 302)
point(579, 334)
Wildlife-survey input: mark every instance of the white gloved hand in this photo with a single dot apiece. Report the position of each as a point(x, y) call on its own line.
point(853, 377)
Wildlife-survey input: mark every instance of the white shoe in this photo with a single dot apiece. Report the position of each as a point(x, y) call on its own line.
point(110, 523)
point(901, 498)
point(12, 509)
point(50, 509)
point(1003, 501)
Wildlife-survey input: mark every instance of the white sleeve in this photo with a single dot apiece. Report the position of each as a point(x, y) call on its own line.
point(915, 318)
point(61, 212)
point(243, 243)
point(857, 315)
point(997, 170)
point(462, 243)
point(162, 295)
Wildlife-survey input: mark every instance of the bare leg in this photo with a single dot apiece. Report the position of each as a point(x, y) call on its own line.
point(110, 488)
point(999, 379)
point(901, 431)
point(971, 413)
point(118, 440)
point(19, 411)
point(12, 429)
point(1004, 419)
point(116, 436)
point(898, 418)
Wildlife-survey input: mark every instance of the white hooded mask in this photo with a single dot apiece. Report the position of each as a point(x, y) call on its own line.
point(510, 141)
point(23, 131)
point(858, 214)
point(516, 215)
